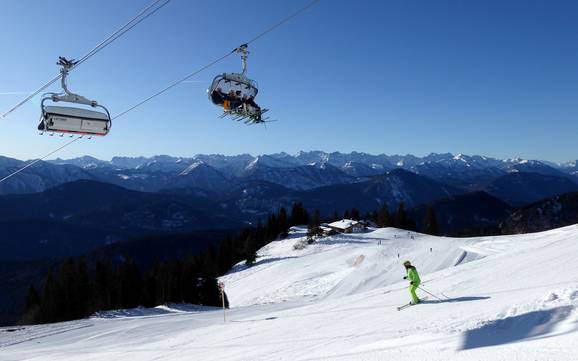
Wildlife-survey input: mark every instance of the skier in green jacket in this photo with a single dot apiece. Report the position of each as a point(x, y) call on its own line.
point(414, 281)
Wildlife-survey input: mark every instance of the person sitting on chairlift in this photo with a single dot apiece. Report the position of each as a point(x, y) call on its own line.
point(235, 100)
point(218, 97)
point(231, 101)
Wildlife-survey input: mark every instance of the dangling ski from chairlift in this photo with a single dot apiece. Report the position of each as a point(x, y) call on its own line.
point(236, 94)
point(62, 119)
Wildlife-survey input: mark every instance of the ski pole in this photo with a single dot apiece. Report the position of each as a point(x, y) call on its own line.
point(429, 293)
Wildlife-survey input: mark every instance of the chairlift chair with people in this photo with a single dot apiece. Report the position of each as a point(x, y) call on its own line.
point(236, 94)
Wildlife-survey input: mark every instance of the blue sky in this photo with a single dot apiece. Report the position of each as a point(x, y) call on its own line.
point(498, 78)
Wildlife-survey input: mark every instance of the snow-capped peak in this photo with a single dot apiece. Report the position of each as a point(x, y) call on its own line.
point(192, 167)
point(270, 161)
point(459, 157)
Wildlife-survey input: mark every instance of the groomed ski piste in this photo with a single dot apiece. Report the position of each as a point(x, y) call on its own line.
point(503, 298)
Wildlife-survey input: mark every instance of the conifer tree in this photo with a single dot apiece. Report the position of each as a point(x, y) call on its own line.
point(283, 223)
point(51, 304)
point(401, 217)
point(160, 273)
point(314, 228)
point(383, 217)
point(430, 222)
point(210, 292)
point(149, 291)
point(335, 216)
point(411, 225)
point(369, 215)
point(69, 283)
point(76, 285)
point(355, 214)
point(260, 236)
point(84, 289)
point(130, 284)
point(225, 255)
point(101, 285)
point(346, 215)
point(31, 308)
point(190, 279)
point(299, 215)
point(250, 250)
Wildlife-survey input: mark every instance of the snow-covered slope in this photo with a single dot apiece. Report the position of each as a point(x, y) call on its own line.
point(340, 265)
point(502, 298)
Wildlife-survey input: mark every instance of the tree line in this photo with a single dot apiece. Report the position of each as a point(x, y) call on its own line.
point(401, 219)
point(381, 218)
point(76, 288)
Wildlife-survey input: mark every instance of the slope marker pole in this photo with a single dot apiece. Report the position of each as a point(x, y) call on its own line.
point(222, 288)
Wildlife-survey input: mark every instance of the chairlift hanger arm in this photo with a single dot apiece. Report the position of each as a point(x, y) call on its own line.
point(69, 96)
point(242, 50)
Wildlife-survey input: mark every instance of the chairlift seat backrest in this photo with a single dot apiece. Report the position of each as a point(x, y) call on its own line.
point(75, 120)
point(234, 82)
point(71, 119)
point(76, 112)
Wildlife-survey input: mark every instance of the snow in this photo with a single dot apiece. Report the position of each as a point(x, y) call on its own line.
point(271, 161)
point(191, 167)
point(343, 224)
point(459, 157)
point(502, 298)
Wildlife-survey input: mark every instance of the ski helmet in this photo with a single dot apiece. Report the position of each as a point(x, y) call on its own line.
point(406, 263)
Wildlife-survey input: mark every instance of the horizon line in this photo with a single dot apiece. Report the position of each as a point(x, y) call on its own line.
point(454, 155)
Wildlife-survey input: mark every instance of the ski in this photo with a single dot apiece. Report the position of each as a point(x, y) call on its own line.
point(404, 306)
point(410, 304)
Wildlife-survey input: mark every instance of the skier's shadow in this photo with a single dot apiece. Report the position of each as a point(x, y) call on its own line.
point(533, 325)
point(261, 319)
point(458, 299)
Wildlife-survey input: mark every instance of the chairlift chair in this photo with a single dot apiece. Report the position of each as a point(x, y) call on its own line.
point(61, 119)
point(242, 88)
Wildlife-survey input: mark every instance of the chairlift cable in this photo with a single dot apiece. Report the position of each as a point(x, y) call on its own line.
point(283, 21)
point(172, 85)
point(39, 159)
point(275, 26)
point(124, 29)
point(142, 15)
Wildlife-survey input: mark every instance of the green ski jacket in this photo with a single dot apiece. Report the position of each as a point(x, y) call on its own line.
point(413, 276)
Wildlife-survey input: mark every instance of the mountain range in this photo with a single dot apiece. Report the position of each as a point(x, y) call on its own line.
point(157, 207)
point(557, 211)
point(66, 207)
point(301, 171)
point(75, 217)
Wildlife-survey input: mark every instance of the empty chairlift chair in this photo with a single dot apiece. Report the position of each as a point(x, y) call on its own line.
point(75, 120)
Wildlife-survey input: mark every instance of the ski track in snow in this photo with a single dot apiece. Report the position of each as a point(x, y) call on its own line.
point(508, 298)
